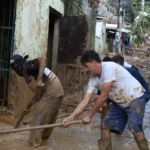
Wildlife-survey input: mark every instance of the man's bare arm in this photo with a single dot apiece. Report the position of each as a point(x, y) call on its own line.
point(81, 106)
point(101, 100)
point(42, 64)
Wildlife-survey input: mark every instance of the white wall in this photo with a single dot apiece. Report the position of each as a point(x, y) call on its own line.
point(97, 44)
point(101, 34)
point(31, 26)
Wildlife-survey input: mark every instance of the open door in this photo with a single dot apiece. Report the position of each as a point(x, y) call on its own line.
point(54, 16)
point(72, 38)
point(76, 34)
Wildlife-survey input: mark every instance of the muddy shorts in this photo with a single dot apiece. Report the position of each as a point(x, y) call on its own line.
point(118, 116)
point(148, 49)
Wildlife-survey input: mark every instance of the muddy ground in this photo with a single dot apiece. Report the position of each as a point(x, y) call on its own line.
point(76, 137)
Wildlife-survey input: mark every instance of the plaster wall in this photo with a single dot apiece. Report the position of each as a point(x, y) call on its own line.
point(31, 26)
point(101, 34)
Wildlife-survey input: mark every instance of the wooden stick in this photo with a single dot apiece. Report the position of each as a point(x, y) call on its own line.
point(65, 115)
point(68, 114)
point(25, 110)
point(72, 105)
point(39, 127)
point(140, 50)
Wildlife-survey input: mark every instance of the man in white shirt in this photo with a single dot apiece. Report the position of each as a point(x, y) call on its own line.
point(127, 93)
point(117, 41)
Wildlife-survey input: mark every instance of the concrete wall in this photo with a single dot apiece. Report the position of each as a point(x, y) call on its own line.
point(32, 22)
point(97, 44)
point(101, 34)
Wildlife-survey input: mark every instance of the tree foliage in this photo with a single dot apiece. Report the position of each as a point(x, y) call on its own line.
point(141, 21)
point(140, 27)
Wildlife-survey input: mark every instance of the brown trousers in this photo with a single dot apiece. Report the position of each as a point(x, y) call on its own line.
point(46, 113)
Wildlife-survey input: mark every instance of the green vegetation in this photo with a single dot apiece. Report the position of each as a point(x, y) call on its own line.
point(140, 20)
point(71, 9)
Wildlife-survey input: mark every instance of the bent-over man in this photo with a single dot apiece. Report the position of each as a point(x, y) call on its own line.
point(120, 86)
point(136, 74)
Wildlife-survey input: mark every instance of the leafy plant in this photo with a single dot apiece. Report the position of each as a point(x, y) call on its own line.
point(141, 22)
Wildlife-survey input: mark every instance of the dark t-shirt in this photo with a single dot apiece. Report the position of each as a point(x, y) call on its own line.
point(139, 77)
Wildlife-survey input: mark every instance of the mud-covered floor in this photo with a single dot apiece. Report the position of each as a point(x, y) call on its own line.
point(76, 137)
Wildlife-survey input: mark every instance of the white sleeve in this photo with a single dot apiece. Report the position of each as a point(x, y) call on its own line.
point(127, 64)
point(110, 73)
point(92, 85)
point(47, 71)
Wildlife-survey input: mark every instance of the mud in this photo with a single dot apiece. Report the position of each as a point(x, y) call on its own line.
point(76, 137)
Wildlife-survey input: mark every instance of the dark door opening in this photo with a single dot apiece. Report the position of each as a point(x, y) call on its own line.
point(7, 18)
point(73, 31)
point(53, 17)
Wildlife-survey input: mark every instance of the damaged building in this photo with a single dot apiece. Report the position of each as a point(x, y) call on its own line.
point(60, 30)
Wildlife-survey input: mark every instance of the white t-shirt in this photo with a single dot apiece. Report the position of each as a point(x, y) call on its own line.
point(127, 64)
point(117, 37)
point(49, 73)
point(125, 87)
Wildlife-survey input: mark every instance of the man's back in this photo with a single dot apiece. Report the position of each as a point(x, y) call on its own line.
point(139, 77)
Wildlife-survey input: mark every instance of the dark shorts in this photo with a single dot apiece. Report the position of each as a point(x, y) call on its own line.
point(117, 117)
point(148, 49)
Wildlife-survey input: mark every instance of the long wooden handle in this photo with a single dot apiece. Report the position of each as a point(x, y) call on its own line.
point(23, 112)
point(39, 127)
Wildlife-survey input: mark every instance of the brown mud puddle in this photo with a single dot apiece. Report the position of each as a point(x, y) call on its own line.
point(76, 137)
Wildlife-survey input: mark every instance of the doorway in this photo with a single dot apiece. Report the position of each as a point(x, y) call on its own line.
point(53, 18)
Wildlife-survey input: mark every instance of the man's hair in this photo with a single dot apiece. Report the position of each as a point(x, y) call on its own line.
point(89, 56)
point(106, 59)
point(118, 59)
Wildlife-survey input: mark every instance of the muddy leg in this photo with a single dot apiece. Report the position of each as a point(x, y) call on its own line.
point(105, 142)
point(141, 141)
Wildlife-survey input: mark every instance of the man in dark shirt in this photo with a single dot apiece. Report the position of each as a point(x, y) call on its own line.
point(136, 74)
